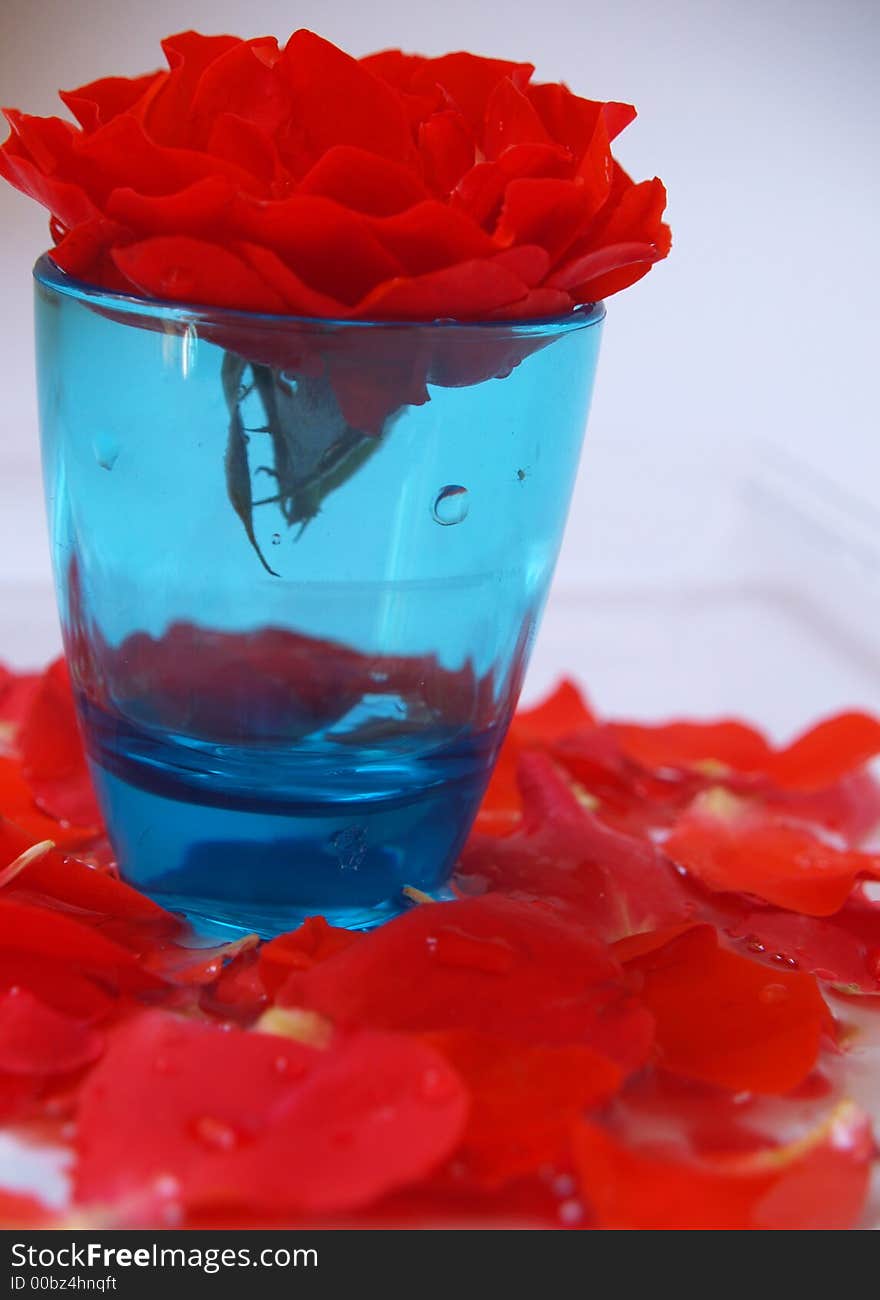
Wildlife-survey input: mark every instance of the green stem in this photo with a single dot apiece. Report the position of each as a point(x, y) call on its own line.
point(314, 450)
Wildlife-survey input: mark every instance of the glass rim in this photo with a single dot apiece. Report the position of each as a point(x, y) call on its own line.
point(50, 276)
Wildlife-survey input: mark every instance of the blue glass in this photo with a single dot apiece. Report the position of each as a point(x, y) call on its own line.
point(300, 566)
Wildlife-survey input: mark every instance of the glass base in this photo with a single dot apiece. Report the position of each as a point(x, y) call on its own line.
point(259, 839)
point(220, 926)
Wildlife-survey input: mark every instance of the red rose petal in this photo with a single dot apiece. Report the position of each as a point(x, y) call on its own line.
point(466, 291)
point(298, 297)
point(488, 964)
point(27, 822)
point(67, 202)
point(850, 807)
point(596, 168)
point(629, 272)
point(689, 744)
point(47, 142)
point(16, 692)
point(256, 1120)
point(614, 884)
point(238, 993)
point(626, 239)
point(307, 232)
point(240, 82)
point(431, 236)
point(523, 1100)
point(189, 54)
point(18, 1210)
point(52, 755)
point(42, 932)
point(395, 67)
point(562, 711)
point(56, 985)
point(571, 120)
point(447, 149)
point(542, 211)
point(123, 155)
point(93, 105)
point(35, 160)
point(729, 845)
point(468, 81)
point(337, 100)
point(510, 120)
point(37, 1040)
point(728, 1021)
point(625, 796)
point(84, 252)
point(529, 262)
point(245, 145)
point(597, 267)
point(818, 1182)
point(839, 950)
point(303, 948)
point(636, 214)
point(197, 209)
point(826, 752)
point(363, 181)
point(481, 191)
point(538, 304)
point(63, 879)
point(182, 269)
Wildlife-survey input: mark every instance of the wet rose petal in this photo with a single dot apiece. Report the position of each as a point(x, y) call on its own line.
point(493, 965)
point(37, 1040)
point(816, 1183)
point(523, 1101)
point(239, 1118)
point(730, 845)
point(723, 1019)
point(509, 1057)
point(52, 755)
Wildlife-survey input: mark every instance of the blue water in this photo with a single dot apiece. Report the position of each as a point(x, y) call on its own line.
point(259, 837)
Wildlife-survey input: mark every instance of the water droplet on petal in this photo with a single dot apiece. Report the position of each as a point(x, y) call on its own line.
point(470, 952)
point(571, 1212)
point(773, 994)
point(106, 449)
point(451, 505)
point(215, 1133)
point(166, 1185)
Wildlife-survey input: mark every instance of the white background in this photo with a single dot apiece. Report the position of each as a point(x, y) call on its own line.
point(724, 546)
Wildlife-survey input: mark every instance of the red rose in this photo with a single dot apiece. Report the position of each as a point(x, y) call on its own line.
point(304, 181)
